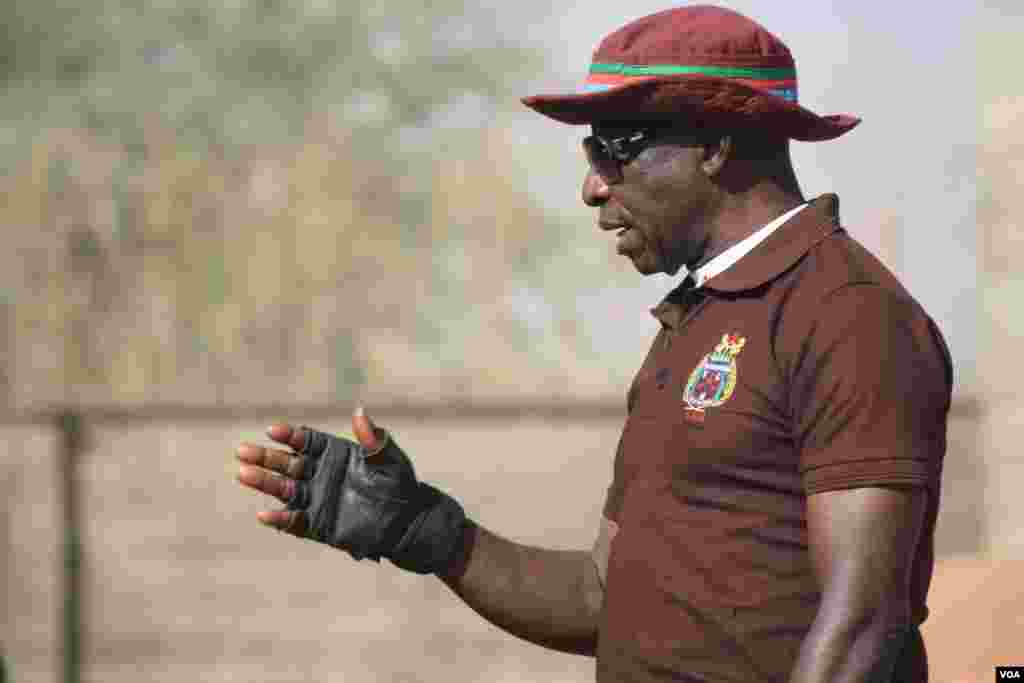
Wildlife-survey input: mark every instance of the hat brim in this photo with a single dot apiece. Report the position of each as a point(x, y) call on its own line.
point(719, 102)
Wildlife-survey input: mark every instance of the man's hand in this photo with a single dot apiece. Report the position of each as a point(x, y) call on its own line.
point(360, 496)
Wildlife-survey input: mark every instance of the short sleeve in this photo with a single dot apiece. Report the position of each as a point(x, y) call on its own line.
point(870, 393)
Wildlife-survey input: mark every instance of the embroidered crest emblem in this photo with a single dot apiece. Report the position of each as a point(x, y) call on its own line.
point(712, 382)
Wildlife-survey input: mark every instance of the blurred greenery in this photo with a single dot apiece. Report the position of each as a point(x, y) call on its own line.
point(271, 202)
point(237, 72)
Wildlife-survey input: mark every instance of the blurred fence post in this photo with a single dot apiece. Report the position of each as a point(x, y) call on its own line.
point(72, 444)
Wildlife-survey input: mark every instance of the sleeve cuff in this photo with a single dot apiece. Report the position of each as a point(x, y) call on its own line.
point(858, 474)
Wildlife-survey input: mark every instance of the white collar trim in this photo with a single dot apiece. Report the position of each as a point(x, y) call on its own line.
point(727, 258)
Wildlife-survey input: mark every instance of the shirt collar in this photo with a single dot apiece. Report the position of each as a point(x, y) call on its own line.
point(737, 251)
point(791, 236)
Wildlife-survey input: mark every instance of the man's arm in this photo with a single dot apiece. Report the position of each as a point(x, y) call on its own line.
point(863, 543)
point(549, 597)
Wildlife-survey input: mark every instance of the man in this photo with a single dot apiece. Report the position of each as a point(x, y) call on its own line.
point(776, 484)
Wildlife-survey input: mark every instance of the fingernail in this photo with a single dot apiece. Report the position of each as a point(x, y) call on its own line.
point(360, 412)
point(381, 438)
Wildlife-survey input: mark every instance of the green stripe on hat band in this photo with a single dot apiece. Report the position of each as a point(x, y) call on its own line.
point(754, 73)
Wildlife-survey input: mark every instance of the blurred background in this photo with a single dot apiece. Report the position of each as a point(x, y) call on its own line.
point(220, 214)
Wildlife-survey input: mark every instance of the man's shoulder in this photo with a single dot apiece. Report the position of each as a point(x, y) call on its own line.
point(840, 287)
point(837, 263)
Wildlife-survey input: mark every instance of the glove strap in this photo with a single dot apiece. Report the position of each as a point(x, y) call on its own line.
point(430, 544)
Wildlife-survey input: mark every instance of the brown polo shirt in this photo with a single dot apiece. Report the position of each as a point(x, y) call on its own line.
point(804, 367)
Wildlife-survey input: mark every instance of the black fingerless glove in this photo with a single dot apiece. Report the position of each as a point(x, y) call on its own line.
point(373, 506)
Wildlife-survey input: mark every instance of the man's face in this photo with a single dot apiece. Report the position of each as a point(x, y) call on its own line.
point(659, 198)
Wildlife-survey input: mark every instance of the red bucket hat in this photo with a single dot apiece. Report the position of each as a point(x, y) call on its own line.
point(703, 63)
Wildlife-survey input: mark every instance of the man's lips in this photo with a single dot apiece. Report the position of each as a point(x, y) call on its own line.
point(623, 246)
point(609, 225)
point(626, 242)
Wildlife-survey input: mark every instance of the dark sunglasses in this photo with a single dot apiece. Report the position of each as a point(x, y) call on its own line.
point(608, 155)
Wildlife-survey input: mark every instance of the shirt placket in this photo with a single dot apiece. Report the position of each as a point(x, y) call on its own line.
point(693, 303)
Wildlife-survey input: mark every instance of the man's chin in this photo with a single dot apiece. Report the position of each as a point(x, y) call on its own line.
point(645, 266)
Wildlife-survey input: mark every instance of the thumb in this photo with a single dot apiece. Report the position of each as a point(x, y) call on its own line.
point(369, 435)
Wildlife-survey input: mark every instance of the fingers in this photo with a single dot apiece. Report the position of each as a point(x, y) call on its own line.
point(312, 443)
point(370, 436)
point(262, 469)
point(282, 432)
point(268, 482)
point(307, 441)
point(282, 462)
point(292, 522)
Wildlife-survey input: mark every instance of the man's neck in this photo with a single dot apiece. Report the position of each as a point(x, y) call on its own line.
point(738, 216)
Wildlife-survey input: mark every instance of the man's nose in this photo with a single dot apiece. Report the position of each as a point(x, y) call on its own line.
point(595, 189)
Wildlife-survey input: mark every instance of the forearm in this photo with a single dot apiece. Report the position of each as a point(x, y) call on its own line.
point(549, 597)
point(851, 654)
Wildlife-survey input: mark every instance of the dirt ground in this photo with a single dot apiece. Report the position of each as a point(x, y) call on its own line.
point(182, 584)
point(977, 619)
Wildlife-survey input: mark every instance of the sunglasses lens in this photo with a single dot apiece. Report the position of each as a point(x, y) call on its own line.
point(600, 159)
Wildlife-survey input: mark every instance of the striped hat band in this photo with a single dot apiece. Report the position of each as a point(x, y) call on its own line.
point(780, 82)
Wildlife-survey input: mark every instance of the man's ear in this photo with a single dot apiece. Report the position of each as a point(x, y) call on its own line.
point(716, 154)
